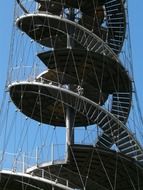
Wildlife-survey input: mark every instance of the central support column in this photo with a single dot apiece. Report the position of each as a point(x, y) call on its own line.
point(70, 29)
point(70, 120)
point(70, 112)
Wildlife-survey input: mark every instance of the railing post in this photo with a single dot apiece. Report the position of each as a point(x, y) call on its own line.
point(43, 173)
point(37, 156)
point(52, 153)
point(67, 183)
point(23, 163)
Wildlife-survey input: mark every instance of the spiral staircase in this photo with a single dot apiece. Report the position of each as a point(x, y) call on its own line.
point(83, 69)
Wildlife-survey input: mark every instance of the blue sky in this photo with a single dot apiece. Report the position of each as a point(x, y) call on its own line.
point(6, 14)
point(136, 30)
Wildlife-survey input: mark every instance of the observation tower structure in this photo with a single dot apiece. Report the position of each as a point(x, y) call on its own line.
point(82, 82)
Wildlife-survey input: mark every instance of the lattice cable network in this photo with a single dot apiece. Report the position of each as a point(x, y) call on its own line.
point(70, 81)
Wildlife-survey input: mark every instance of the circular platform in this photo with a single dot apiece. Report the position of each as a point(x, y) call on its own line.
point(105, 18)
point(44, 98)
point(48, 30)
point(44, 103)
point(89, 15)
point(93, 168)
point(90, 168)
point(19, 181)
point(51, 30)
point(101, 72)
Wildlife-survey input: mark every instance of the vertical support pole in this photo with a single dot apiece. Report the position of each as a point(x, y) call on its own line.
point(70, 119)
point(43, 173)
point(70, 113)
point(37, 156)
point(71, 16)
point(52, 153)
point(23, 163)
point(67, 183)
